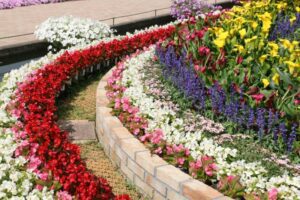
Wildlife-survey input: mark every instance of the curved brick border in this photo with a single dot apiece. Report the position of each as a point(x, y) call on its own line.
point(150, 173)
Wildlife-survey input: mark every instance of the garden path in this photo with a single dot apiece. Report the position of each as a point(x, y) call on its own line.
point(76, 113)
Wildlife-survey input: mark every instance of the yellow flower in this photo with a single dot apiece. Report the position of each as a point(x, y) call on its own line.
point(287, 44)
point(263, 58)
point(281, 5)
point(293, 19)
point(250, 39)
point(239, 48)
point(292, 66)
point(275, 47)
point(265, 82)
point(220, 41)
point(254, 25)
point(276, 78)
point(242, 33)
point(298, 9)
point(266, 18)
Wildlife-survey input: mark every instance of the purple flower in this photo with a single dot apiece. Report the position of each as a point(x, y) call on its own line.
point(292, 137)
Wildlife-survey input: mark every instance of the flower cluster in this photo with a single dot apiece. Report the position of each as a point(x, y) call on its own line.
point(183, 9)
point(28, 108)
point(162, 131)
point(68, 31)
point(5, 4)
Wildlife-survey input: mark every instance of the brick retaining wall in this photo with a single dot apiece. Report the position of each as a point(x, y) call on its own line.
point(150, 173)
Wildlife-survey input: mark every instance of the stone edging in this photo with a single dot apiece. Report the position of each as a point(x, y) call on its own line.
point(150, 173)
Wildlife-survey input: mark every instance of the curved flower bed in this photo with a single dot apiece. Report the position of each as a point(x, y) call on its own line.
point(40, 151)
point(142, 102)
point(6, 4)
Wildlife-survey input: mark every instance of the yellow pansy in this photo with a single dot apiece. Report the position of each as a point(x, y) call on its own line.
point(276, 78)
point(266, 82)
point(242, 33)
point(239, 48)
point(254, 25)
point(298, 9)
point(281, 5)
point(220, 41)
point(250, 39)
point(263, 58)
point(266, 18)
point(274, 50)
point(287, 44)
point(292, 66)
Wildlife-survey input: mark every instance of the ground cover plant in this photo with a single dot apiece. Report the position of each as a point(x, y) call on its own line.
point(222, 102)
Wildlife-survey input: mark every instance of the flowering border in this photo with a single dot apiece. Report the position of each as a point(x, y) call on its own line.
point(29, 108)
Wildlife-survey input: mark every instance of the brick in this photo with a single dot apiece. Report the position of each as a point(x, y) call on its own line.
point(127, 172)
point(171, 176)
point(156, 184)
point(101, 114)
point(131, 146)
point(121, 154)
point(109, 123)
point(149, 162)
point(157, 196)
point(173, 195)
point(143, 186)
point(116, 160)
point(120, 133)
point(196, 190)
point(105, 144)
point(135, 168)
point(102, 102)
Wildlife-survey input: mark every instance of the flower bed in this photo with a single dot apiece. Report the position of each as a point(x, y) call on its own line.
point(6, 4)
point(40, 151)
point(143, 102)
point(254, 80)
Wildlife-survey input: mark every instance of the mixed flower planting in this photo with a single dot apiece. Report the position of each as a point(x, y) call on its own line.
point(37, 160)
point(220, 98)
point(6, 4)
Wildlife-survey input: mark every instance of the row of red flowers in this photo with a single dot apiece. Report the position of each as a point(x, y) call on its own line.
point(57, 161)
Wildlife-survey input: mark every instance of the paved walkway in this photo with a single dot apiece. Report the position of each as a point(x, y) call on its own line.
point(23, 20)
point(80, 130)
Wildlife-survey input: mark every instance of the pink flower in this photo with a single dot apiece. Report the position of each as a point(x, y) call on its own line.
point(136, 131)
point(272, 194)
point(157, 136)
point(169, 150)
point(43, 176)
point(63, 195)
point(180, 161)
point(158, 150)
point(39, 187)
point(187, 152)
point(178, 148)
point(230, 178)
point(34, 162)
point(257, 97)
